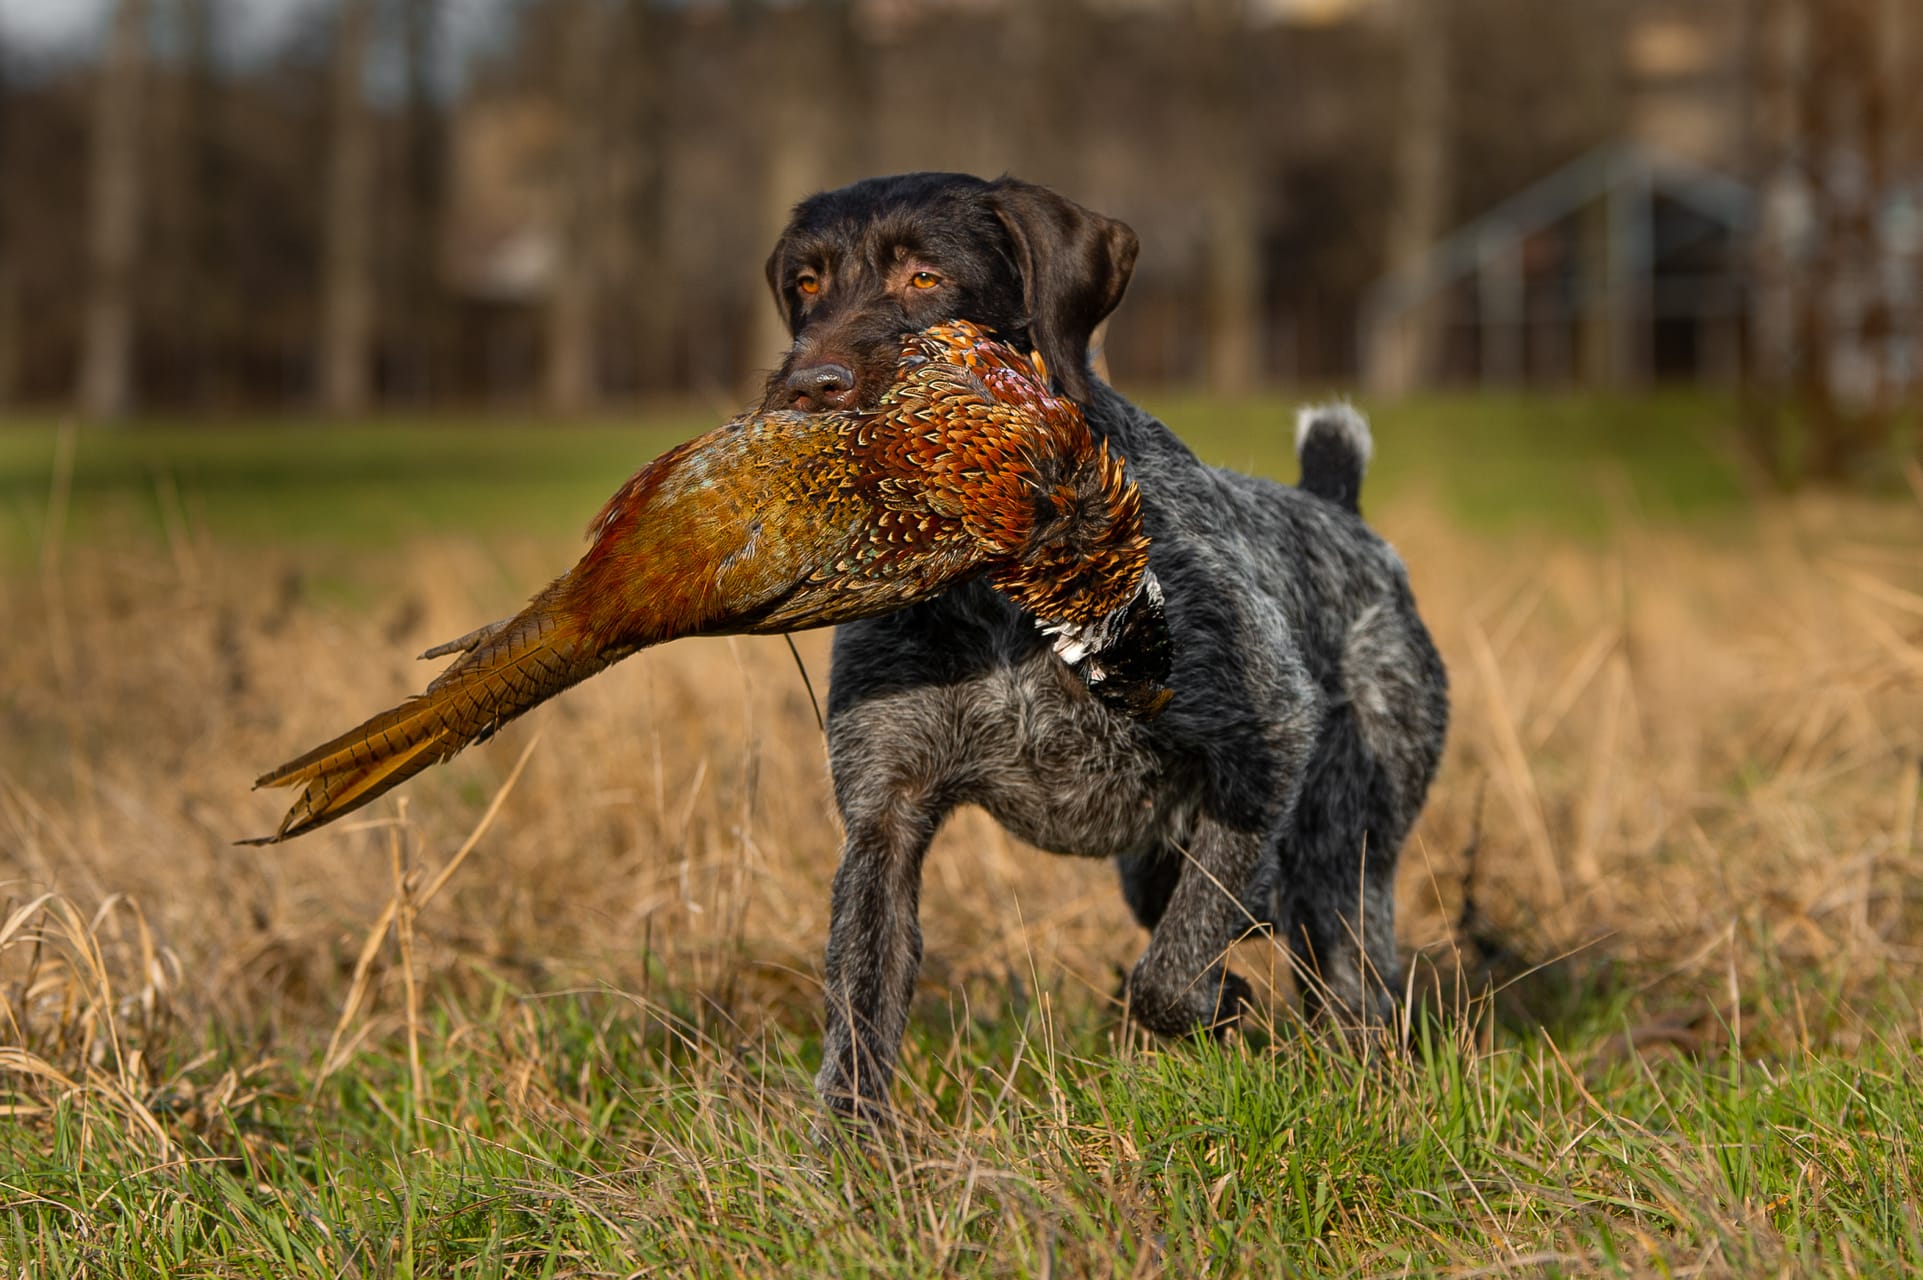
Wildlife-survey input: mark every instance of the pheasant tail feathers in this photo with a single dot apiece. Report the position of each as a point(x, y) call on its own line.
point(505, 670)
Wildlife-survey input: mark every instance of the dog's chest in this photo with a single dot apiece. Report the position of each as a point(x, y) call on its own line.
point(1059, 770)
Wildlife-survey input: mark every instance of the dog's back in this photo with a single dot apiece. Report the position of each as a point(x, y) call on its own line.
point(1252, 565)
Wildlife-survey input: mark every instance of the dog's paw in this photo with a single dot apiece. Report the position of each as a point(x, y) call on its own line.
point(846, 1127)
point(1211, 1006)
point(1124, 658)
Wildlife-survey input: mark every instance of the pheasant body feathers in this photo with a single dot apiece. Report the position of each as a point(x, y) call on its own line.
point(781, 521)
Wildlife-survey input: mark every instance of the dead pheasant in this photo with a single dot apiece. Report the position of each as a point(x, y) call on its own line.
point(781, 521)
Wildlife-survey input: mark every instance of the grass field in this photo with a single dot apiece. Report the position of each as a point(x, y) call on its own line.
point(554, 1010)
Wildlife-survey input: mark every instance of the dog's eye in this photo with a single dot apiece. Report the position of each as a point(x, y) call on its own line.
point(808, 284)
point(924, 279)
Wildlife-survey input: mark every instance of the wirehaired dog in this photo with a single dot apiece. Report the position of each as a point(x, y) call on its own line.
point(1309, 705)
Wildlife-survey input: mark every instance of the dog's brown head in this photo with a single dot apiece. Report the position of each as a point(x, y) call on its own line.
point(860, 266)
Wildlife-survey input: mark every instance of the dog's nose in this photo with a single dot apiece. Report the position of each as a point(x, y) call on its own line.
point(821, 386)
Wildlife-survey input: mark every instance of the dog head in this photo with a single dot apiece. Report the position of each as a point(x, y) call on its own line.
point(860, 266)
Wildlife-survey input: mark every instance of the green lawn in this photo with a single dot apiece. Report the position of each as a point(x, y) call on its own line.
point(1499, 464)
point(571, 1136)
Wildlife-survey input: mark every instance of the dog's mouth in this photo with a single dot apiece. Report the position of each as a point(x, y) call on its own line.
point(840, 362)
point(822, 377)
point(819, 381)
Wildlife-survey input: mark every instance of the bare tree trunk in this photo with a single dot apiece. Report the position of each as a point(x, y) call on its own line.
point(416, 307)
point(9, 330)
point(1902, 70)
point(182, 187)
point(347, 295)
point(1824, 314)
point(637, 259)
point(1234, 279)
point(9, 279)
point(572, 379)
point(106, 363)
point(1232, 255)
point(793, 173)
point(1042, 56)
point(809, 115)
point(1773, 55)
point(1406, 356)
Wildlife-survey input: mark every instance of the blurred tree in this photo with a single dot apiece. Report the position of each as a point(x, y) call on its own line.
point(1530, 87)
point(415, 302)
point(186, 183)
point(1844, 320)
point(347, 291)
point(638, 120)
point(9, 250)
point(813, 57)
point(1038, 118)
point(1230, 110)
point(794, 150)
point(1420, 210)
point(113, 218)
point(573, 377)
point(1903, 72)
point(1828, 284)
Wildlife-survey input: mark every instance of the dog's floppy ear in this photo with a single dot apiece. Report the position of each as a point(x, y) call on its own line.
point(774, 282)
point(1074, 263)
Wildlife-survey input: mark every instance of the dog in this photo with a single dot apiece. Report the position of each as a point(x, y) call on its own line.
point(1309, 704)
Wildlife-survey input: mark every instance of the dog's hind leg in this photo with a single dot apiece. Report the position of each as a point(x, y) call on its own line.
point(1337, 886)
point(1362, 791)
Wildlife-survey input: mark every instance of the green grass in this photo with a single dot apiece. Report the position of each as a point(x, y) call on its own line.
point(1496, 463)
point(1725, 1079)
point(575, 1136)
point(1500, 464)
point(306, 483)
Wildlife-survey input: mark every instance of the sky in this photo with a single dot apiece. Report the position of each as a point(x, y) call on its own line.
point(75, 25)
point(48, 32)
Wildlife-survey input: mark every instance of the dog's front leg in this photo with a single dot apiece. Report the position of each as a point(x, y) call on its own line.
point(1182, 985)
point(874, 953)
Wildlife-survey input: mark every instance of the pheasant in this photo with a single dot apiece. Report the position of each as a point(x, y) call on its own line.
point(780, 521)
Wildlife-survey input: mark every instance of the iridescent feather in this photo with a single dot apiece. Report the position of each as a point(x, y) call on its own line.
point(781, 521)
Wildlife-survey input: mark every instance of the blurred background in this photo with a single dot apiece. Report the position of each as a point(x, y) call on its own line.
point(562, 206)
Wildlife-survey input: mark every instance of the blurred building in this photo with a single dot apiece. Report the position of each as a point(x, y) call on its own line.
point(1692, 247)
point(1626, 266)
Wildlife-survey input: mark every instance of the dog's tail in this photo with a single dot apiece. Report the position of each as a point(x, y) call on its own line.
point(1333, 445)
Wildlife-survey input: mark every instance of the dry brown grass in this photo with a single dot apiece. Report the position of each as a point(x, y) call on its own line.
point(1671, 746)
point(1688, 759)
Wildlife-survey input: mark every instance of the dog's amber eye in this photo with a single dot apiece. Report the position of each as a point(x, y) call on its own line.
point(924, 279)
point(810, 285)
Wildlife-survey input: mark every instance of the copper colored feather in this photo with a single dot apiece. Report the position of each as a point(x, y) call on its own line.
point(781, 521)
